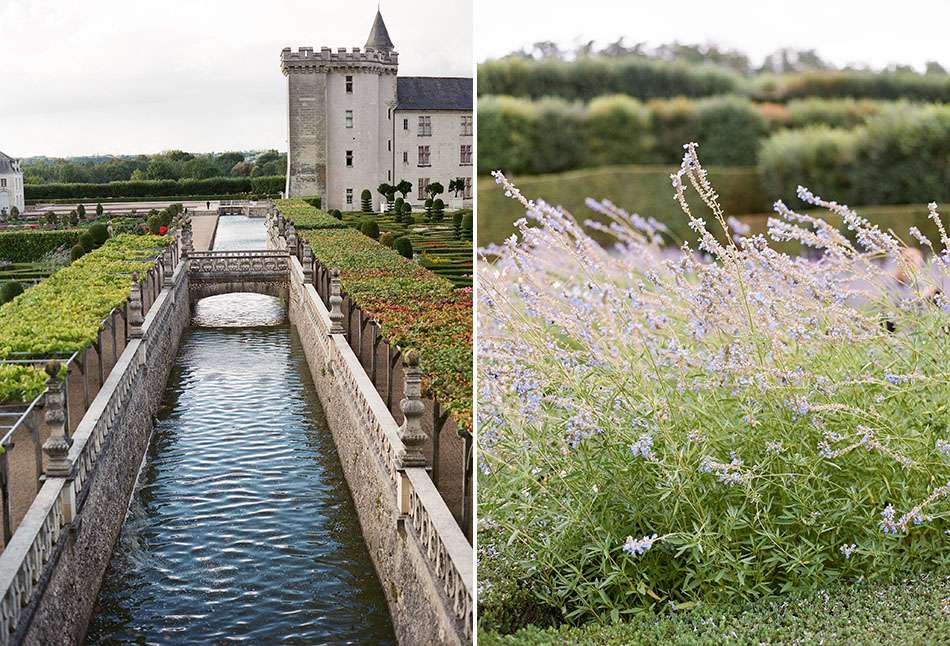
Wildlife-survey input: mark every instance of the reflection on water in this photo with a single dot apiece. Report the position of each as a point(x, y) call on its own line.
point(242, 526)
point(239, 232)
point(239, 310)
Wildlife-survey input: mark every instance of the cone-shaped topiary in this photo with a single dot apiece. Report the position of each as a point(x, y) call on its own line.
point(404, 246)
point(371, 229)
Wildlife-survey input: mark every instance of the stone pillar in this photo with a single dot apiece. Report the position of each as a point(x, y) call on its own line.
point(412, 407)
point(187, 244)
point(57, 446)
point(307, 262)
point(292, 240)
point(136, 319)
point(168, 265)
point(336, 301)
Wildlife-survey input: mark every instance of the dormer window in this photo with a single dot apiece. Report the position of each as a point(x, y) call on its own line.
point(349, 84)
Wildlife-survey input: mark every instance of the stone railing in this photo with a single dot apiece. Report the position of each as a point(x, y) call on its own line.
point(396, 450)
point(71, 461)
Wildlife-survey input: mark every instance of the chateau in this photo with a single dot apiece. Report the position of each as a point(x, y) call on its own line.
point(354, 124)
point(11, 185)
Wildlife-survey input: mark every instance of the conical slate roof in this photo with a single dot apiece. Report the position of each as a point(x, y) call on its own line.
point(8, 164)
point(378, 36)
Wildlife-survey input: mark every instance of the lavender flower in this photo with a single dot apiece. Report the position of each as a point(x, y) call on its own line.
point(639, 546)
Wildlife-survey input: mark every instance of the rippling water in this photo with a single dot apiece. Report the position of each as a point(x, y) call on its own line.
point(242, 527)
point(238, 232)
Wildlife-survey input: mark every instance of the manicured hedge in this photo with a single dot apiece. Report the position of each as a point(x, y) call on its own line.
point(63, 313)
point(30, 245)
point(158, 188)
point(857, 85)
point(588, 78)
point(898, 157)
point(305, 216)
point(20, 384)
point(415, 308)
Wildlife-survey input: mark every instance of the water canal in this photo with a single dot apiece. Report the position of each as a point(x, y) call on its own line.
point(241, 527)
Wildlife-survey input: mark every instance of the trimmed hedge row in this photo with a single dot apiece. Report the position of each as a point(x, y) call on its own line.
point(30, 245)
point(305, 216)
point(898, 157)
point(158, 188)
point(587, 78)
point(414, 307)
point(643, 78)
point(63, 313)
point(553, 135)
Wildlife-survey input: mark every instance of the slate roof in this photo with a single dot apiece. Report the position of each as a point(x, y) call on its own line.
point(434, 93)
point(8, 164)
point(379, 35)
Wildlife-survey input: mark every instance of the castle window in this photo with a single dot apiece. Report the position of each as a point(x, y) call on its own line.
point(468, 188)
point(389, 176)
point(349, 118)
point(349, 158)
point(405, 157)
point(424, 156)
point(423, 185)
point(389, 114)
point(466, 126)
point(389, 144)
point(349, 84)
point(3, 183)
point(349, 196)
point(425, 126)
point(465, 155)
point(405, 124)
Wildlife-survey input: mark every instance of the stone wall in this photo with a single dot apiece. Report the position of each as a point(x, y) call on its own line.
point(129, 399)
point(424, 562)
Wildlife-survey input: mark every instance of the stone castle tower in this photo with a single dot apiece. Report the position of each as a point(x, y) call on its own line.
point(339, 113)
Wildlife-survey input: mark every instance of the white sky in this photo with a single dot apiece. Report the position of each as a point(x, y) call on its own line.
point(141, 76)
point(876, 32)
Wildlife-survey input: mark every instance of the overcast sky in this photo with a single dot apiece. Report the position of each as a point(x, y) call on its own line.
point(142, 76)
point(875, 32)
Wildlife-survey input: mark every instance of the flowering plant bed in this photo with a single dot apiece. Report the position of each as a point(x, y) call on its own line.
point(674, 426)
point(63, 313)
point(305, 216)
point(414, 308)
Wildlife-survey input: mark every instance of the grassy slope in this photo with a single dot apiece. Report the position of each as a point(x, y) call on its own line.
point(914, 611)
point(646, 190)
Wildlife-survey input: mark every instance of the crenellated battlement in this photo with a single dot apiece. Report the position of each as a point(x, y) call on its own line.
point(307, 58)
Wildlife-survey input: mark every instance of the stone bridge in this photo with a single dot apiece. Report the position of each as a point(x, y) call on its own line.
point(211, 273)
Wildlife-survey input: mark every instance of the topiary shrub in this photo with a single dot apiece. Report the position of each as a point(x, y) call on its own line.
point(337, 213)
point(77, 252)
point(9, 291)
point(457, 224)
point(467, 226)
point(397, 209)
point(428, 205)
point(366, 201)
point(87, 242)
point(388, 239)
point(371, 229)
point(438, 210)
point(154, 224)
point(407, 213)
point(315, 202)
point(404, 246)
point(99, 233)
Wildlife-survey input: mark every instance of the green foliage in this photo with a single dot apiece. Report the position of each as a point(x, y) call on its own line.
point(315, 202)
point(99, 233)
point(467, 220)
point(73, 218)
point(404, 247)
point(438, 210)
point(76, 252)
point(158, 188)
point(81, 211)
point(729, 130)
point(20, 384)
point(836, 113)
point(9, 291)
point(305, 216)
point(457, 224)
point(336, 213)
point(910, 611)
point(404, 187)
point(588, 78)
point(818, 157)
point(415, 308)
point(366, 201)
point(28, 245)
point(154, 223)
point(853, 84)
point(99, 210)
point(617, 132)
point(63, 313)
point(87, 242)
point(370, 228)
point(388, 239)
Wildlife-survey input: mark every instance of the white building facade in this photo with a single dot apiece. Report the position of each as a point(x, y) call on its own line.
point(11, 186)
point(354, 124)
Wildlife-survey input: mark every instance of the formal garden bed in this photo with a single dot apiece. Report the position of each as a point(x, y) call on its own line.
point(414, 307)
point(713, 426)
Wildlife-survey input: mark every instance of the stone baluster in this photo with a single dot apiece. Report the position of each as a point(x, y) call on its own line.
point(187, 244)
point(411, 433)
point(136, 319)
point(307, 262)
point(168, 267)
point(336, 302)
point(292, 240)
point(56, 448)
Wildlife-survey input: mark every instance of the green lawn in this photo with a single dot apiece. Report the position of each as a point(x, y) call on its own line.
point(435, 245)
point(914, 611)
point(646, 190)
